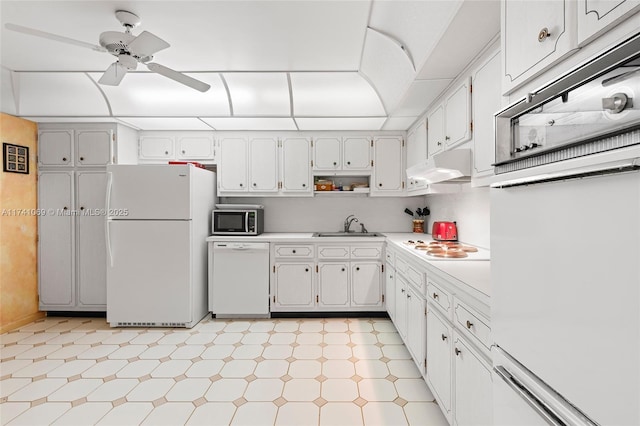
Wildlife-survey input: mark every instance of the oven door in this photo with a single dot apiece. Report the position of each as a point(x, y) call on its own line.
point(230, 222)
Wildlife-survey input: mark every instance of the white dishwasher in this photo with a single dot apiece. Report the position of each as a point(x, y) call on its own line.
point(239, 284)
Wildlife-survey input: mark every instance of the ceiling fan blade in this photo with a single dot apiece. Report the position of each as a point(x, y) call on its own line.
point(178, 76)
point(43, 34)
point(146, 44)
point(113, 75)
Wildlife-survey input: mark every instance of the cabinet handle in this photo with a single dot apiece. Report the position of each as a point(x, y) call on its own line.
point(255, 184)
point(543, 34)
point(81, 158)
point(357, 268)
point(183, 151)
point(306, 269)
point(241, 185)
point(82, 208)
point(304, 185)
point(335, 164)
point(293, 251)
point(457, 351)
point(447, 138)
point(166, 153)
point(435, 296)
point(65, 208)
point(439, 143)
point(64, 158)
point(469, 324)
point(348, 163)
point(408, 296)
point(402, 290)
point(391, 276)
point(379, 184)
point(443, 337)
point(342, 269)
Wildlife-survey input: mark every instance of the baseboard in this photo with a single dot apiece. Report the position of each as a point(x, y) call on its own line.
point(19, 323)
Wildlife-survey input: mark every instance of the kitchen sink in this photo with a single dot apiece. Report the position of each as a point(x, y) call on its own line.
point(347, 234)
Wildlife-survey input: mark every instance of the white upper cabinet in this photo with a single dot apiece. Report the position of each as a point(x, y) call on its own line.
point(596, 16)
point(295, 165)
point(55, 148)
point(156, 147)
point(161, 147)
point(486, 101)
point(94, 147)
point(535, 35)
point(195, 147)
point(417, 144)
point(263, 164)
point(334, 153)
point(232, 170)
point(435, 130)
point(458, 115)
point(388, 170)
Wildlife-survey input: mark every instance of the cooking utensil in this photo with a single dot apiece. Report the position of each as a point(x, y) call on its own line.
point(419, 211)
point(426, 211)
point(409, 212)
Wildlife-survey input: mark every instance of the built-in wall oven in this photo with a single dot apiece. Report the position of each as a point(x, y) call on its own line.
point(565, 249)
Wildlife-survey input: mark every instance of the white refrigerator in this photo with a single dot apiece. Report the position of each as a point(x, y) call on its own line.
point(158, 219)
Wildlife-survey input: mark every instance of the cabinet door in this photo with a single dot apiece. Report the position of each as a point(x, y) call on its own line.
point(195, 147)
point(156, 148)
point(326, 154)
point(55, 148)
point(366, 284)
point(232, 166)
point(91, 253)
point(439, 343)
point(333, 285)
point(388, 170)
point(401, 306)
point(457, 117)
point(263, 169)
point(356, 153)
point(294, 285)
point(535, 35)
point(416, 327)
point(486, 101)
point(435, 130)
point(596, 16)
point(473, 386)
point(94, 147)
point(296, 165)
point(390, 292)
point(417, 144)
point(55, 241)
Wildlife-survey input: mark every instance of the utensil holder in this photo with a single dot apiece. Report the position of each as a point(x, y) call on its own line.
point(418, 226)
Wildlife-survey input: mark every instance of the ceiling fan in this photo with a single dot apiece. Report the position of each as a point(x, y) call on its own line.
point(128, 48)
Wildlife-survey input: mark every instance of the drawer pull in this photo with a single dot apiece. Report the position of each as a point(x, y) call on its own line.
point(543, 34)
point(408, 296)
point(457, 351)
point(357, 268)
point(402, 290)
point(443, 337)
point(306, 269)
point(435, 296)
point(469, 324)
point(293, 251)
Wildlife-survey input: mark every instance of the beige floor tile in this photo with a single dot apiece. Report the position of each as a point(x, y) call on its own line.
point(10, 367)
point(338, 369)
point(157, 352)
point(255, 413)
point(105, 368)
point(99, 351)
point(371, 369)
point(39, 352)
point(171, 368)
point(228, 338)
point(14, 337)
point(238, 368)
point(113, 390)
point(424, 413)
point(298, 414)
point(360, 325)
point(43, 414)
point(35, 369)
point(36, 390)
point(65, 338)
point(217, 352)
point(150, 390)
point(301, 390)
point(127, 414)
point(384, 326)
point(211, 326)
point(363, 338)
point(396, 352)
point(86, 414)
point(247, 352)
point(262, 326)
point(336, 326)
point(307, 352)
point(75, 390)
point(272, 368)
point(11, 410)
point(309, 338)
point(377, 390)
point(311, 326)
point(147, 338)
point(305, 369)
point(68, 351)
point(264, 390)
point(9, 386)
point(414, 390)
point(226, 390)
point(72, 368)
point(237, 326)
point(255, 338)
point(204, 368)
point(384, 414)
point(337, 352)
point(13, 351)
point(212, 413)
point(287, 326)
point(93, 338)
point(404, 369)
point(119, 338)
point(127, 352)
point(138, 368)
point(188, 390)
point(34, 339)
point(339, 390)
point(188, 352)
point(282, 338)
point(340, 413)
point(201, 338)
point(277, 352)
point(390, 338)
point(336, 339)
point(174, 338)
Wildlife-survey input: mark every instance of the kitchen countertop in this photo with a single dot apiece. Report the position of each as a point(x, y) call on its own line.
point(474, 276)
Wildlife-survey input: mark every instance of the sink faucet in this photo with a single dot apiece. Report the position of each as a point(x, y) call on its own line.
point(363, 229)
point(347, 222)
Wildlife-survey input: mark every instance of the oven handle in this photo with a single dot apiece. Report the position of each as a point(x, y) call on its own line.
point(540, 407)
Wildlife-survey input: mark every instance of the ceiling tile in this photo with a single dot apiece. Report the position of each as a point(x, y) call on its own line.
point(250, 123)
point(398, 123)
point(419, 96)
point(340, 123)
point(59, 94)
point(258, 94)
point(150, 94)
point(334, 94)
point(165, 123)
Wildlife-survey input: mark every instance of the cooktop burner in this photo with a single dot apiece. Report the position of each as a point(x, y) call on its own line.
point(448, 250)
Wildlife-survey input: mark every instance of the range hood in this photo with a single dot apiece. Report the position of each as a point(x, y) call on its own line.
point(448, 166)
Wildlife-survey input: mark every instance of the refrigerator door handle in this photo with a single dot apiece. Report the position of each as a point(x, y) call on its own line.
point(107, 235)
point(526, 394)
point(107, 203)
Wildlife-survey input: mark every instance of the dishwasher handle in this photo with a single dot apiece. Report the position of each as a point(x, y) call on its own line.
point(239, 246)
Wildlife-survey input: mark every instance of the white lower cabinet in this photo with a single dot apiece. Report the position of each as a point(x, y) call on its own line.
point(72, 250)
point(333, 285)
point(366, 285)
point(439, 344)
point(417, 327)
point(293, 287)
point(401, 306)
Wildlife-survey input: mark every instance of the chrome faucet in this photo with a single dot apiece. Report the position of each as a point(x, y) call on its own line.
point(363, 229)
point(347, 222)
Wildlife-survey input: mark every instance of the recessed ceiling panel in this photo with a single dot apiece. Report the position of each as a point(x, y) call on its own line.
point(259, 94)
point(334, 94)
point(59, 94)
point(250, 123)
point(150, 94)
point(7, 101)
point(388, 68)
point(398, 123)
point(420, 95)
point(165, 123)
point(340, 123)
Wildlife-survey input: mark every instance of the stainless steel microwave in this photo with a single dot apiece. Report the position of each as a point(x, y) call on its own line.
point(237, 221)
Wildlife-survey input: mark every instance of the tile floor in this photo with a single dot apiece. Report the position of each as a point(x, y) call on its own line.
point(335, 371)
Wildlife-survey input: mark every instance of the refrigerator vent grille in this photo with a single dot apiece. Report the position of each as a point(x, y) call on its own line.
point(152, 324)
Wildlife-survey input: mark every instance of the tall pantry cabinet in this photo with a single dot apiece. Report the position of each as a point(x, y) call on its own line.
point(72, 160)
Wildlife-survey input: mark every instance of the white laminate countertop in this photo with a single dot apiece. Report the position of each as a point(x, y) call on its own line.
point(475, 274)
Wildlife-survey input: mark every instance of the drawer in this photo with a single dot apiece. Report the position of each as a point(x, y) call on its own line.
point(390, 258)
point(412, 275)
point(470, 322)
point(440, 298)
point(366, 252)
point(293, 251)
point(333, 252)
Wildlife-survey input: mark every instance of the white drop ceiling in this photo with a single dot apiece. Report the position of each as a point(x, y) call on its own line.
point(272, 65)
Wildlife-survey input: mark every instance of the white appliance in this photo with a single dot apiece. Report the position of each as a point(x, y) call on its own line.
point(157, 224)
point(239, 279)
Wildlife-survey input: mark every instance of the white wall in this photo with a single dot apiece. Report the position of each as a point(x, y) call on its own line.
point(327, 213)
point(470, 208)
